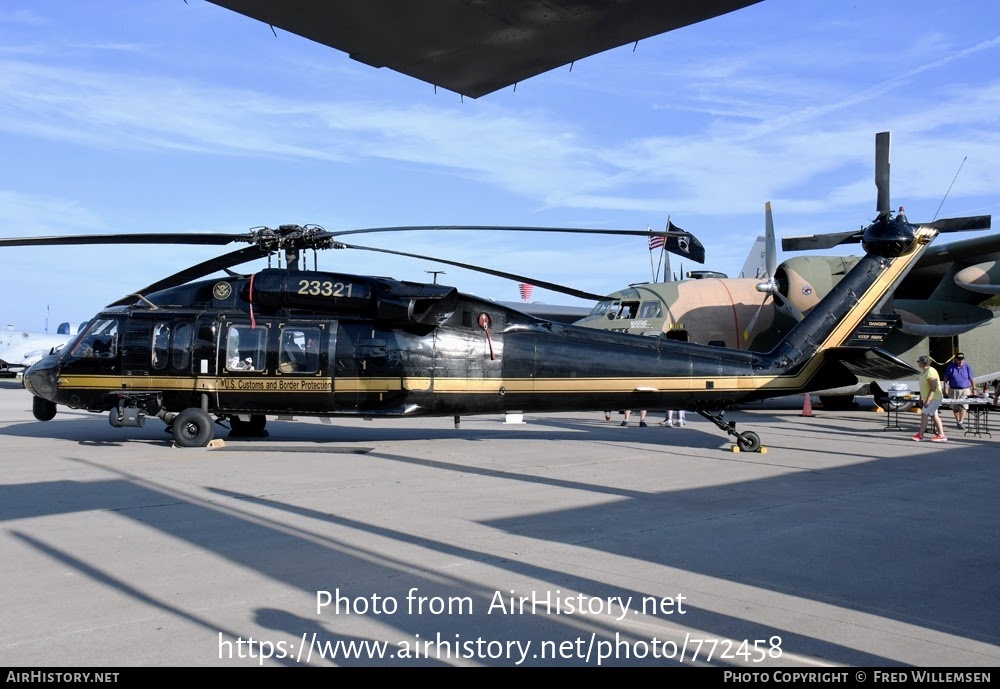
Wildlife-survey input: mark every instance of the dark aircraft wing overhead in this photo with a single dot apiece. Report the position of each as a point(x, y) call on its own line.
point(934, 271)
point(475, 47)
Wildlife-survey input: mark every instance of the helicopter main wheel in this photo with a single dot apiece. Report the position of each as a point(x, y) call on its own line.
point(254, 428)
point(192, 428)
point(748, 441)
point(42, 409)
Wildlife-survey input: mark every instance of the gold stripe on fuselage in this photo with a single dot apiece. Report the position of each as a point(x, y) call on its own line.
point(872, 296)
point(555, 386)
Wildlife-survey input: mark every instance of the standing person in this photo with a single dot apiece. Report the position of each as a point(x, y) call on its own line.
point(930, 394)
point(642, 418)
point(668, 420)
point(958, 382)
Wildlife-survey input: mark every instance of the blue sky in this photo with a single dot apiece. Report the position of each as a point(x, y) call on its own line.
point(167, 116)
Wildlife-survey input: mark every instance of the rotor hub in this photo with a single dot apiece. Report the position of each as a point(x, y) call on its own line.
point(888, 236)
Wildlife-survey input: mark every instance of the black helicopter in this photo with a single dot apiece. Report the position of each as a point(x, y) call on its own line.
point(288, 340)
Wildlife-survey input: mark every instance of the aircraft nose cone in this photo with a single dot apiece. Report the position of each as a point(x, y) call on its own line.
point(40, 378)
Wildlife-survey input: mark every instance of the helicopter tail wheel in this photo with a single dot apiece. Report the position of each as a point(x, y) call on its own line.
point(192, 428)
point(42, 409)
point(748, 441)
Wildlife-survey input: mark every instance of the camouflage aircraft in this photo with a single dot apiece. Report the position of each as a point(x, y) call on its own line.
point(748, 312)
point(951, 291)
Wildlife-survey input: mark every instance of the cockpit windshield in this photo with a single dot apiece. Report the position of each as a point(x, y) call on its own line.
point(602, 307)
point(100, 340)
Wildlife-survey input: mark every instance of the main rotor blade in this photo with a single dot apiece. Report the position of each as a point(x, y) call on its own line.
point(489, 271)
point(882, 171)
point(233, 258)
point(678, 241)
point(972, 222)
point(134, 238)
point(506, 228)
point(820, 241)
point(315, 237)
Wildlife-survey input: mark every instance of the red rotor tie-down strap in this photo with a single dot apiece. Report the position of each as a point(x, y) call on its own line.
point(253, 321)
point(484, 323)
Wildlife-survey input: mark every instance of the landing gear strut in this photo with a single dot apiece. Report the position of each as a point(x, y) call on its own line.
point(748, 441)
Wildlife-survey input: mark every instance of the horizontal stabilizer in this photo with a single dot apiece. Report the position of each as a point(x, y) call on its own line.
point(870, 363)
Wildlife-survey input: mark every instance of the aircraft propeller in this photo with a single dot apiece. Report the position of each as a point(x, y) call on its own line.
point(885, 223)
point(770, 286)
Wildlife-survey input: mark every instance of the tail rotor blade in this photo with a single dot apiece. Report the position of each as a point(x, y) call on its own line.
point(972, 222)
point(882, 171)
point(820, 241)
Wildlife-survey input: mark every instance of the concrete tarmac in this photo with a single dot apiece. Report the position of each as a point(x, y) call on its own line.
point(565, 540)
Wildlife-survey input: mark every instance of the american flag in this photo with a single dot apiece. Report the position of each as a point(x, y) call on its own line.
point(658, 242)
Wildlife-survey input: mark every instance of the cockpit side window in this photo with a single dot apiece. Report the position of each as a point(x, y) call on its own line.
point(650, 309)
point(100, 340)
point(628, 309)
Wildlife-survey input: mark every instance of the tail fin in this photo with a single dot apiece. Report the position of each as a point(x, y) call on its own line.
point(756, 265)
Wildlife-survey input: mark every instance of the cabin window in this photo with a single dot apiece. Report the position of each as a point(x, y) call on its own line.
point(246, 348)
point(180, 348)
point(161, 345)
point(628, 309)
point(299, 351)
point(650, 309)
point(99, 341)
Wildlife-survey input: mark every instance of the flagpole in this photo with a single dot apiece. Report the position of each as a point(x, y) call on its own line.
point(656, 272)
point(665, 255)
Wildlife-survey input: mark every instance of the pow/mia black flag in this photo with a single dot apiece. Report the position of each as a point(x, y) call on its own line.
point(684, 244)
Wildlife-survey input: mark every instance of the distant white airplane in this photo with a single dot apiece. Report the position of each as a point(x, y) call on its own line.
point(19, 349)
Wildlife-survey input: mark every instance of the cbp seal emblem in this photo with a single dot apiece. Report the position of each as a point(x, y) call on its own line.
point(222, 290)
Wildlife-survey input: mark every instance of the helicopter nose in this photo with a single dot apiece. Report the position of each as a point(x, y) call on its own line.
point(40, 378)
